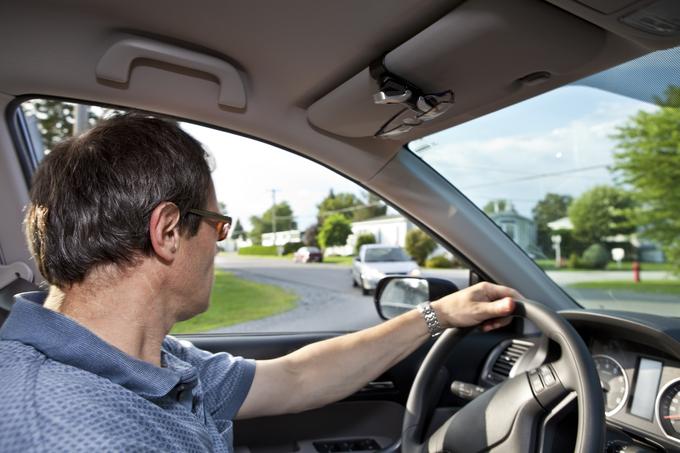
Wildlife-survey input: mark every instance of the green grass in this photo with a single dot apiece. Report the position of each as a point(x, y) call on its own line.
point(235, 300)
point(343, 260)
point(549, 265)
point(649, 286)
point(628, 266)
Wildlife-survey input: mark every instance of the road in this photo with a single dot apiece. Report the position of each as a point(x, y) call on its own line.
point(329, 303)
point(327, 300)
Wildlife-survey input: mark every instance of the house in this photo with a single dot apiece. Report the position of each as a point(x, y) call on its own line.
point(281, 237)
point(520, 229)
point(647, 251)
point(388, 229)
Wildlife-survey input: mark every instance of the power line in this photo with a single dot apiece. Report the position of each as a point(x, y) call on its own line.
point(537, 176)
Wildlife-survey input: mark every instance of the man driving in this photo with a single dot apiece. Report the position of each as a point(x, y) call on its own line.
point(123, 223)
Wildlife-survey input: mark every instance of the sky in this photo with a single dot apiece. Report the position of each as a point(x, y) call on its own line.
point(567, 131)
point(246, 171)
point(560, 142)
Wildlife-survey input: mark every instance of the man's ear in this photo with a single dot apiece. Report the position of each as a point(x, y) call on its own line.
point(164, 230)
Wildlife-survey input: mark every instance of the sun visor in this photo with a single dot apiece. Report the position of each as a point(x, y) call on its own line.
point(482, 52)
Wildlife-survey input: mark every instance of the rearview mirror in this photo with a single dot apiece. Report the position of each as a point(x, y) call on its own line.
point(395, 295)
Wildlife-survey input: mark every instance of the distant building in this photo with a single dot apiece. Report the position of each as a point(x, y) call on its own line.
point(647, 251)
point(520, 229)
point(389, 229)
point(281, 237)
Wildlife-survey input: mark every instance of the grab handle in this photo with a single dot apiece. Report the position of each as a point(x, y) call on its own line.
point(116, 63)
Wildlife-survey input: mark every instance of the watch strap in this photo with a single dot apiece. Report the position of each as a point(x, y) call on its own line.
point(430, 317)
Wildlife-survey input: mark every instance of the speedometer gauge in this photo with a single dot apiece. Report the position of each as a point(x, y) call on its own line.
point(668, 409)
point(613, 381)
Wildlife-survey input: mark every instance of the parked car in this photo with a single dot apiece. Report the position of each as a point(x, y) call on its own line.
point(308, 255)
point(431, 106)
point(375, 261)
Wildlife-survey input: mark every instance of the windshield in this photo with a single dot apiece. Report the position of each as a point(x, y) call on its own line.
point(380, 254)
point(585, 179)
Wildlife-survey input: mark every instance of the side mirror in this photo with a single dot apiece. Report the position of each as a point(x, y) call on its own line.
point(395, 295)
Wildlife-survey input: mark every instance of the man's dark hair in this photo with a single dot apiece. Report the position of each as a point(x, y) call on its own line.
point(92, 196)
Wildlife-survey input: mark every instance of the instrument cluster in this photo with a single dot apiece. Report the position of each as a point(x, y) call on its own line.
point(641, 388)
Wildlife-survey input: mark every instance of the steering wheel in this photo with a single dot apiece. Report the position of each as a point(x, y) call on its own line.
point(514, 415)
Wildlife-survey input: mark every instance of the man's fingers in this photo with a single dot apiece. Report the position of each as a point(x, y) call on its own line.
point(495, 292)
point(499, 308)
point(497, 313)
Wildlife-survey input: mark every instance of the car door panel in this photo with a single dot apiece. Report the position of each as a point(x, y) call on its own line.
point(374, 412)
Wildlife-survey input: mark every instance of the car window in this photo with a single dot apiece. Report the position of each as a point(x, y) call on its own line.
point(386, 254)
point(287, 265)
point(584, 179)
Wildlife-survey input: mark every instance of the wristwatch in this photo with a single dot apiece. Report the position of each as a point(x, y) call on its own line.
point(430, 318)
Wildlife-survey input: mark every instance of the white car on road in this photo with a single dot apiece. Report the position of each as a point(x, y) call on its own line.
point(375, 261)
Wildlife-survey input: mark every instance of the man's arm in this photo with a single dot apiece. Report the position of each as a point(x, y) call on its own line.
point(330, 370)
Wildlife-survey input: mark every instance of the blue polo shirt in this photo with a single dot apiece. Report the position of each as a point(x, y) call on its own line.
point(62, 388)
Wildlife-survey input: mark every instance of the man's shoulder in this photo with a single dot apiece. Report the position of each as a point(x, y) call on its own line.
point(30, 377)
point(47, 402)
point(18, 363)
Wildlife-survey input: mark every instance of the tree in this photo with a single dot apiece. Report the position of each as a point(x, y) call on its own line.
point(363, 238)
point(552, 207)
point(373, 206)
point(309, 238)
point(496, 206)
point(265, 224)
point(419, 245)
point(238, 231)
point(601, 212)
point(351, 206)
point(342, 203)
point(648, 160)
point(56, 119)
point(334, 231)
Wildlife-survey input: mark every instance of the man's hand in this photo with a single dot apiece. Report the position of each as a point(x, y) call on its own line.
point(483, 303)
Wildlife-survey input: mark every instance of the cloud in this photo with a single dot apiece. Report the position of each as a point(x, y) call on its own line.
point(494, 167)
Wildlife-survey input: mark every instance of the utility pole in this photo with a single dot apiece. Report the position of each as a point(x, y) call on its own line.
point(274, 214)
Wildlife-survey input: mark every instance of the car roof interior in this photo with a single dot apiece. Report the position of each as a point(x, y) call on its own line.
point(302, 75)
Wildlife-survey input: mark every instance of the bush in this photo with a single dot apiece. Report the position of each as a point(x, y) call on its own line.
point(419, 245)
point(364, 238)
point(595, 257)
point(265, 250)
point(291, 247)
point(439, 261)
point(574, 262)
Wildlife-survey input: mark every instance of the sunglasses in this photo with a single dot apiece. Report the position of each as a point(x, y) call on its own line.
point(222, 222)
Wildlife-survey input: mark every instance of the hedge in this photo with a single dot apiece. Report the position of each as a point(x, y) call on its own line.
point(291, 247)
point(266, 250)
point(439, 261)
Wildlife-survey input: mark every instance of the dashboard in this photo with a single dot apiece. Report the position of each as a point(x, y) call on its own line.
point(637, 358)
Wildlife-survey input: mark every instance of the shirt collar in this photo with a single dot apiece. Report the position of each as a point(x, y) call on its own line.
point(62, 339)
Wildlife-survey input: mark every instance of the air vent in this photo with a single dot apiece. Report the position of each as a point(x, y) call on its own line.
point(505, 361)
